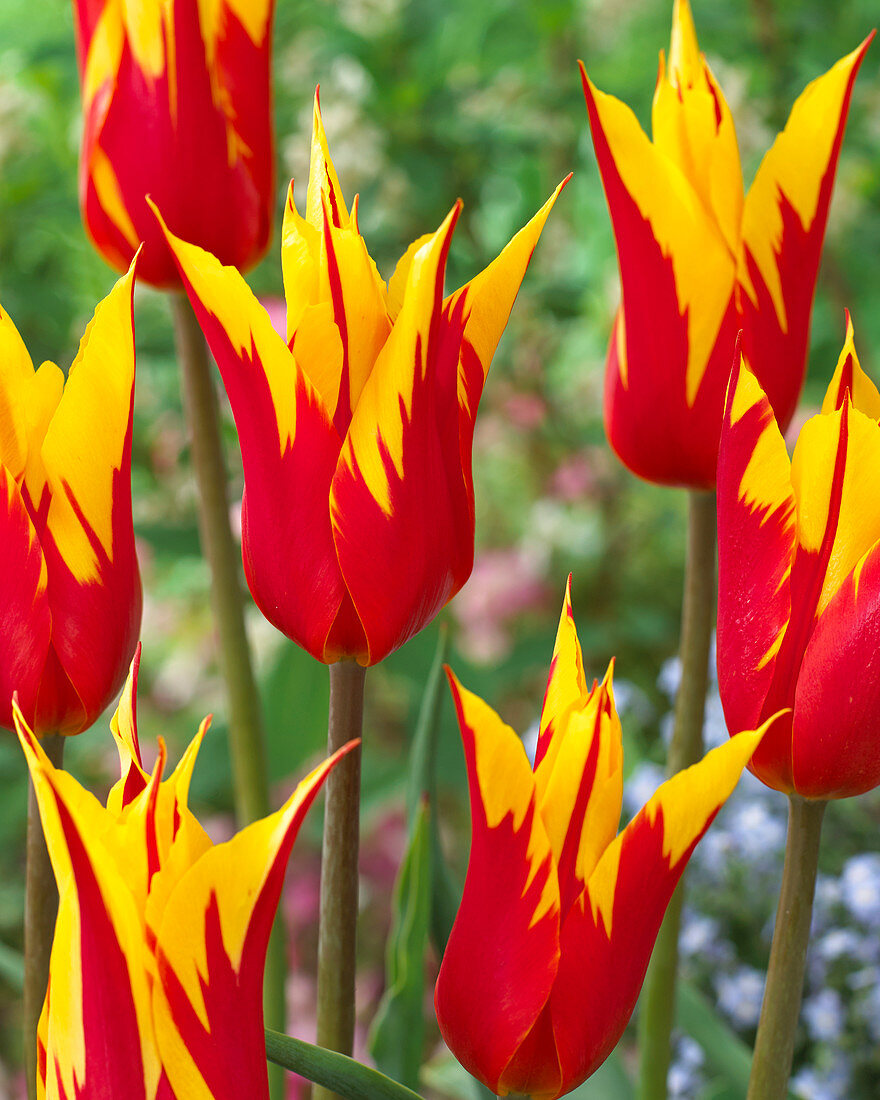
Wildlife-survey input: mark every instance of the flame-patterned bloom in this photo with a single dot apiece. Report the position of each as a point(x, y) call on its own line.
point(799, 583)
point(176, 104)
point(70, 592)
point(559, 913)
point(356, 433)
point(156, 975)
point(699, 261)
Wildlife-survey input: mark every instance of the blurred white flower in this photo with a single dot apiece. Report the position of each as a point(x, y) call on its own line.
point(740, 995)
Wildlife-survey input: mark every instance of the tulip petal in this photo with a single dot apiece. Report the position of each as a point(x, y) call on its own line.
point(207, 1004)
point(835, 729)
point(401, 518)
point(756, 550)
point(566, 683)
point(783, 229)
point(86, 533)
point(850, 378)
point(579, 787)
point(289, 451)
point(488, 300)
point(608, 937)
point(16, 371)
point(25, 619)
point(99, 1036)
point(175, 95)
point(676, 326)
point(503, 952)
point(123, 725)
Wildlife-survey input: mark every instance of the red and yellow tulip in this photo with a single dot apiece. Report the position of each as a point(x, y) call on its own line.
point(356, 433)
point(70, 591)
point(156, 976)
point(560, 913)
point(799, 583)
point(699, 260)
point(176, 104)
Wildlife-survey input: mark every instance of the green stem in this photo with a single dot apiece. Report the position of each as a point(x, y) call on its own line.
point(657, 1003)
point(40, 909)
point(774, 1043)
point(246, 742)
point(337, 928)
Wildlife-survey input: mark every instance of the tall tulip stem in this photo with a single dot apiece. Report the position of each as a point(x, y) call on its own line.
point(657, 1004)
point(337, 929)
point(774, 1043)
point(246, 742)
point(40, 908)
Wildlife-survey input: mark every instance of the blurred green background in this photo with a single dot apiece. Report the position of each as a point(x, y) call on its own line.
point(424, 102)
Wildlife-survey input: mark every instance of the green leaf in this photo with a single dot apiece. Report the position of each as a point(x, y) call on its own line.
point(398, 1031)
point(726, 1054)
point(609, 1082)
point(334, 1071)
point(422, 783)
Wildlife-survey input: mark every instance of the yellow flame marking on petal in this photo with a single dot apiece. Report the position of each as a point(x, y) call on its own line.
point(686, 232)
point(858, 525)
point(863, 392)
point(794, 167)
point(507, 788)
point(84, 442)
point(109, 195)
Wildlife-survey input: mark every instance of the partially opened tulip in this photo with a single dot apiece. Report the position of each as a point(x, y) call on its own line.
point(356, 433)
point(156, 978)
point(177, 104)
point(799, 583)
point(699, 260)
point(559, 913)
point(70, 592)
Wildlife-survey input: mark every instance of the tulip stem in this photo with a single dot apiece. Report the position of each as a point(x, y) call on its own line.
point(246, 742)
point(657, 1004)
point(40, 909)
point(774, 1043)
point(337, 928)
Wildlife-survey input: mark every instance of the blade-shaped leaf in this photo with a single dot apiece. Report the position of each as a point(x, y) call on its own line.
point(334, 1071)
point(398, 1031)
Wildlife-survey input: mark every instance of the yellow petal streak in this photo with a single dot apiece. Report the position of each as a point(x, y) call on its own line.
point(794, 167)
point(766, 482)
point(687, 801)
point(491, 294)
point(812, 472)
point(507, 788)
point(686, 232)
point(16, 371)
point(566, 684)
point(232, 875)
point(387, 395)
point(223, 292)
point(863, 392)
point(92, 823)
point(85, 440)
point(559, 776)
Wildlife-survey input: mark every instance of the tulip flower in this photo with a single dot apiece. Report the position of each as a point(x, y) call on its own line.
point(177, 104)
point(799, 583)
point(356, 434)
point(70, 593)
point(156, 976)
point(699, 260)
point(560, 913)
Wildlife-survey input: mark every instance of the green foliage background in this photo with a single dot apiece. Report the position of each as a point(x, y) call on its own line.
point(425, 102)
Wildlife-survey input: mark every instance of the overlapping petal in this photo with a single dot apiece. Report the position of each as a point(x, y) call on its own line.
point(797, 582)
point(700, 261)
point(356, 437)
point(155, 986)
point(176, 103)
point(559, 913)
point(70, 592)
